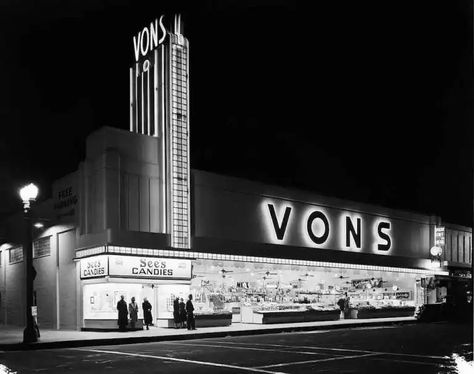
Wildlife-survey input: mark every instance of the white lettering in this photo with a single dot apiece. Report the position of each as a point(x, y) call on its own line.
point(147, 40)
point(136, 46)
point(163, 30)
point(154, 34)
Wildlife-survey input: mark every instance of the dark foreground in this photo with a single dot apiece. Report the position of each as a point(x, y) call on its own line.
point(418, 348)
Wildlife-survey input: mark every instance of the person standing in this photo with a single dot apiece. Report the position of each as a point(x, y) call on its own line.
point(347, 305)
point(147, 318)
point(133, 311)
point(176, 312)
point(122, 314)
point(190, 314)
point(182, 313)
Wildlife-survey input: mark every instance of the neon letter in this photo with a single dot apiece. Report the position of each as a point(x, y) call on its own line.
point(154, 34)
point(385, 236)
point(162, 29)
point(147, 38)
point(318, 215)
point(356, 235)
point(279, 229)
point(136, 45)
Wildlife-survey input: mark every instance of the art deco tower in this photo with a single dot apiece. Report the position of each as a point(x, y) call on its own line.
point(159, 107)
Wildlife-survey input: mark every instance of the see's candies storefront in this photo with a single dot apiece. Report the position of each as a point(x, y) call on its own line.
point(105, 278)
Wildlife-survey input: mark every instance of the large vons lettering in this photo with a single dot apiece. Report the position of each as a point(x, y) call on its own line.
point(147, 39)
point(354, 233)
point(320, 237)
point(152, 267)
point(317, 228)
point(280, 228)
point(384, 236)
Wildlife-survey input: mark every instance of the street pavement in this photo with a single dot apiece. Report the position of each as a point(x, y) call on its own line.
point(414, 348)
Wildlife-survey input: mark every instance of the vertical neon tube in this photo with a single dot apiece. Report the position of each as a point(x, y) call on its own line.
point(163, 141)
point(135, 91)
point(142, 106)
point(155, 93)
point(131, 99)
point(148, 101)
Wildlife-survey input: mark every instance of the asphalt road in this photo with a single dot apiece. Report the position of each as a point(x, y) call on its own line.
point(418, 348)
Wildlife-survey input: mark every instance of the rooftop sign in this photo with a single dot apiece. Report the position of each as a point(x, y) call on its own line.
point(149, 38)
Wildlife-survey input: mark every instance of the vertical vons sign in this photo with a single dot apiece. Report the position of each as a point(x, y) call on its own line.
point(159, 107)
point(149, 38)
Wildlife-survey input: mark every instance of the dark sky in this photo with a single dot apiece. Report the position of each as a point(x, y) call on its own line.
point(369, 101)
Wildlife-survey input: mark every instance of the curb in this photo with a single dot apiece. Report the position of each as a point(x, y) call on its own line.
point(203, 335)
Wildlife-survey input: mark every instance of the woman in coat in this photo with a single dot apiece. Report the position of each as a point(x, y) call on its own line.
point(182, 313)
point(147, 318)
point(133, 311)
point(176, 313)
point(122, 314)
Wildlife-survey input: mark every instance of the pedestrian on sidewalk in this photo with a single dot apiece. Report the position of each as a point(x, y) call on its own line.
point(176, 313)
point(190, 313)
point(347, 304)
point(122, 314)
point(147, 318)
point(133, 311)
point(341, 303)
point(182, 313)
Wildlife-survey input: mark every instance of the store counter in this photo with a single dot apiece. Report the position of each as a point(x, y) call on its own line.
point(384, 312)
point(253, 315)
point(213, 319)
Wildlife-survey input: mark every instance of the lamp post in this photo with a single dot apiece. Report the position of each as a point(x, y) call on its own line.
point(28, 194)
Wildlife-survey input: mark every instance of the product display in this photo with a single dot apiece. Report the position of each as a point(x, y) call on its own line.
point(260, 293)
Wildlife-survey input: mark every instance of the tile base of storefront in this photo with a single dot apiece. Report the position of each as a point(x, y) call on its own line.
point(10, 338)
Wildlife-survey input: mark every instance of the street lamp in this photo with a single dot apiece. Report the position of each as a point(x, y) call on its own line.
point(28, 195)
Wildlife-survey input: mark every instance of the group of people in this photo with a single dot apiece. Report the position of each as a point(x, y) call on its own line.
point(132, 310)
point(183, 314)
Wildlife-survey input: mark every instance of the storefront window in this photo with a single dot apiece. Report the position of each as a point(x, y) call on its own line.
point(227, 286)
point(100, 299)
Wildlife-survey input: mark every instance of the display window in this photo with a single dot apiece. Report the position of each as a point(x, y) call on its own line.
point(167, 293)
point(229, 286)
point(100, 299)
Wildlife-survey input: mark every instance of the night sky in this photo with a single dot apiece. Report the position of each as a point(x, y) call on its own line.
point(368, 101)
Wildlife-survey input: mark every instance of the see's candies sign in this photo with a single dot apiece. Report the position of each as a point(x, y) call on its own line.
point(135, 267)
point(149, 267)
point(96, 266)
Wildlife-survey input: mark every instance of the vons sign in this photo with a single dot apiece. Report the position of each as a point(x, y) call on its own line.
point(149, 38)
point(323, 227)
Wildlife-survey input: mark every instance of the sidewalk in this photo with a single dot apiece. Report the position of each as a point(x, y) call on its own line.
point(11, 337)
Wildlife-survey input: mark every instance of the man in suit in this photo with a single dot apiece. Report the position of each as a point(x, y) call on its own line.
point(122, 314)
point(189, 312)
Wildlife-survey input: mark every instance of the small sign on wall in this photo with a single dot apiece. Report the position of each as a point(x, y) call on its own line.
point(135, 267)
point(96, 266)
point(440, 237)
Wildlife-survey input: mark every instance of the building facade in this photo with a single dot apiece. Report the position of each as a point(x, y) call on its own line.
point(134, 220)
